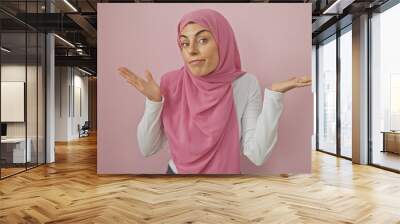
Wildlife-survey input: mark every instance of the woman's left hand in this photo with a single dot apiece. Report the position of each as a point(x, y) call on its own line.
point(291, 83)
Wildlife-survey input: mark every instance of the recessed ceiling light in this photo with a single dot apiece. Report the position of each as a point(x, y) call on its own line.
point(338, 6)
point(70, 5)
point(64, 40)
point(84, 71)
point(5, 49)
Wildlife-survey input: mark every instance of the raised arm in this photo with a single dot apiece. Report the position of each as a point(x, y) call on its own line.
point(260, 123)
point(150, 133)
point(261, 120)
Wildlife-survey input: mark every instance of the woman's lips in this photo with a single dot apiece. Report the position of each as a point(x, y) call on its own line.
point(196, 62)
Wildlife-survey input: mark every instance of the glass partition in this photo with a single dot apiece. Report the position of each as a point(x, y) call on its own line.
point(22, 77)
point(13, 95)
point(31, 100)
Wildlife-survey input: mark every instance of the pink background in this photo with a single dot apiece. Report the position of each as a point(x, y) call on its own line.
point(274, 43)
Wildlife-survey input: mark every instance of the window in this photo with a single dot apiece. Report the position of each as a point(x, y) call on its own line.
point(327, 95)
point(346, 93)
point(385, 88)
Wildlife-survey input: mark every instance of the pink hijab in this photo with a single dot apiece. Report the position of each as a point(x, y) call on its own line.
point(199, 114)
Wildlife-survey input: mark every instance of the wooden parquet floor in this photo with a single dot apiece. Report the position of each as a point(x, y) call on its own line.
point(70, 191)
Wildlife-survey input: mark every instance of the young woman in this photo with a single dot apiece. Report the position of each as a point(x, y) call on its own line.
point(210, 110)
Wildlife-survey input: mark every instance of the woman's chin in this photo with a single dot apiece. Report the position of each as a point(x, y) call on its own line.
point(198, 73)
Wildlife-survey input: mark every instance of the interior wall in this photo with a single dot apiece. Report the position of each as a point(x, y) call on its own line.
point(61, 103)
point(92, 97)
point(71, 92)
point(17, 73)
point(80, 89)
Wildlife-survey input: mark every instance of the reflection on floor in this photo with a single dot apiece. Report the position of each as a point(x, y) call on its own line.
point(71, 191)
point(346, 152)
point(13, 169)
point(10, 171)
point(387, 159)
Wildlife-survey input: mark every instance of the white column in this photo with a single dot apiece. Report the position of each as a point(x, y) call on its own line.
point(360, 90)
point(50, 92)
point(50, 100)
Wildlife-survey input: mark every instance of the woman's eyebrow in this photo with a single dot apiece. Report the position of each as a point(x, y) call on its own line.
point(195, 34)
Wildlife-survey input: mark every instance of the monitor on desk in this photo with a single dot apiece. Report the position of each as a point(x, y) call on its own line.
point(3, 130)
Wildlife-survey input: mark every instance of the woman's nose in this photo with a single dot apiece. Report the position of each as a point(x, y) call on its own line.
point(193, 48)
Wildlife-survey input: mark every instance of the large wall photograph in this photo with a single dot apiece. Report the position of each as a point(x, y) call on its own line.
point(216, 88)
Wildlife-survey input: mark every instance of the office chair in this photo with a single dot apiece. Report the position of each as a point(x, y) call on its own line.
point(84, 130)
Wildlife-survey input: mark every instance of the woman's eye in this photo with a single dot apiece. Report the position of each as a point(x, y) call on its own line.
point(203, 40)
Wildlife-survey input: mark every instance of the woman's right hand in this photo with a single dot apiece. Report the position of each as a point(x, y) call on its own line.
point(148, 88)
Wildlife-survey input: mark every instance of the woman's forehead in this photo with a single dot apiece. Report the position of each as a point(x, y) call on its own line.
point(193, 29)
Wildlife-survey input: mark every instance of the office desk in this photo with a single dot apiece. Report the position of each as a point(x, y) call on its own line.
point(391, 141)
point(13, 150)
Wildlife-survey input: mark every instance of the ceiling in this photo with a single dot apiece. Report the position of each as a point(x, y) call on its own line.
point(77, 22)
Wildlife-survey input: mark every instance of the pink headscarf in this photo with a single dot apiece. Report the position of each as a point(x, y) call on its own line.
point(199, 114)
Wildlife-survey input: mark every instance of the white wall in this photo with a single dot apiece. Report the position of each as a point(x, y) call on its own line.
point(33, 127)
point(70, 83)
point(79, 117)
point(12, 73)
point(62, 80)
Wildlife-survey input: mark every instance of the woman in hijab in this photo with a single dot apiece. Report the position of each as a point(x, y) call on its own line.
point(210, 110)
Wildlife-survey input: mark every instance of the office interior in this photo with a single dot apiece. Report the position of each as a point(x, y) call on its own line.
point(48, 84)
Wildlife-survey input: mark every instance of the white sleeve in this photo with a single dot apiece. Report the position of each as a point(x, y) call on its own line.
point(150, 134)
point(260, 124)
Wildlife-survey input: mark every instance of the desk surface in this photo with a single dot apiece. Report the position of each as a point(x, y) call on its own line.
point(391, 132)
point(13, 140)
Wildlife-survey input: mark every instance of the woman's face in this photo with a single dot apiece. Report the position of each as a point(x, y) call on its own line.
point(199, 49)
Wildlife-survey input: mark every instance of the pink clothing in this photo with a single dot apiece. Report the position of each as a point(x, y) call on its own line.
point(199, 116)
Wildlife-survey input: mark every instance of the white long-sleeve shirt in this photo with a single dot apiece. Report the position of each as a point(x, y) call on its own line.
point(258, 122)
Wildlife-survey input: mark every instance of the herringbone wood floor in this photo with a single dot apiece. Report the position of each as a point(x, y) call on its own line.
point(70, 191)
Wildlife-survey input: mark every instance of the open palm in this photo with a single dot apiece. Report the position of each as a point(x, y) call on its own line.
point(291, 83)
point(148, 88)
